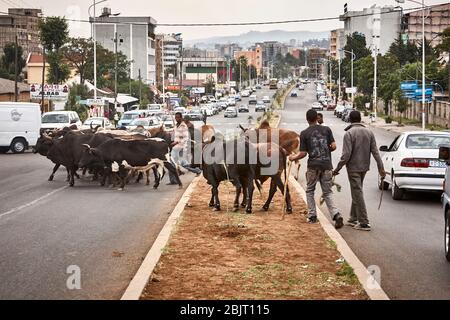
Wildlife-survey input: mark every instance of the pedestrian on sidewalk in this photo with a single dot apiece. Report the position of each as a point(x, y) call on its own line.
point(359, 145)
point(318, 142)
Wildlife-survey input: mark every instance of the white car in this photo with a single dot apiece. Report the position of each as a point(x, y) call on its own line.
point(147, 123)
point(231, 102)
point(266, 99)
point(97, 121)
point(245, 94)
point(412, 163)
point(317, 106)
point(60, 119)
point(208, 110)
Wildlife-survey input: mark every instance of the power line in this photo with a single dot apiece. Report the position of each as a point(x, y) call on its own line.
point(99, 21)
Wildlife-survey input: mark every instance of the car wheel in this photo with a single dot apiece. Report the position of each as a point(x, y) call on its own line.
point(397, 193)
point(18, 146)
point(447, 235)
point(382, 184)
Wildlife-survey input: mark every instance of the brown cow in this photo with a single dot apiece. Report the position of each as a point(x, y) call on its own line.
point(288, 140)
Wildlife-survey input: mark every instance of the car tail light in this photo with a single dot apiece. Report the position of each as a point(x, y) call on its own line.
point(415, 163)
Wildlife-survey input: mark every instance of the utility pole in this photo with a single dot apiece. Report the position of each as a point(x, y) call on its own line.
point(163, 71)
point(240, 74)
point(16, 68)
point(140, 87)
point(95, 53)
point(116, 67)
point(339, 93)
point(181, 72)
point(375, 84)
point(43, 80)
point(423, 67)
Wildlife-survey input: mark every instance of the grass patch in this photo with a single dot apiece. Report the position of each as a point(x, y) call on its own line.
point(346, 272)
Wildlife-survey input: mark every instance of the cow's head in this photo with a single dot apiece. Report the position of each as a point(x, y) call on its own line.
point(43, 144)
point(90, 157)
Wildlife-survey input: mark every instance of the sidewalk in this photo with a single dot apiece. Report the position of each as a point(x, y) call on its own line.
point(392, 127)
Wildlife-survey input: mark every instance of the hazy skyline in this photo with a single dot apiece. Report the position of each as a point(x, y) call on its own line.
point(207, 11)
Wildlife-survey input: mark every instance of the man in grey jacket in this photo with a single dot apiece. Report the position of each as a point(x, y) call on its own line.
point(359, 145)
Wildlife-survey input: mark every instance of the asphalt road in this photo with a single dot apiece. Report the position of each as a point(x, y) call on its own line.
point(406, 242)
point(46, 227)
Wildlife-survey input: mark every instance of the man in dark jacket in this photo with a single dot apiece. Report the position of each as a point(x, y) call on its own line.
point(359, 145)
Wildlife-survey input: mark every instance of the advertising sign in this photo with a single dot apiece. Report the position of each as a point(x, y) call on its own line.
point(51, 91)
point(198, 90)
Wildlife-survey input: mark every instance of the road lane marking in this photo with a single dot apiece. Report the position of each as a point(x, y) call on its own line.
point(29, 204)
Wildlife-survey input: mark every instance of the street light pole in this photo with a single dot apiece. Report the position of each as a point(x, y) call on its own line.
point(375, 83)
point(339, 93)
point(163, 71)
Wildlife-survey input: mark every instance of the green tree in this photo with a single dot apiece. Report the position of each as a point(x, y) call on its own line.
point(7, 63)
point(139, 90)
point(54, 33)
point(77, 92)
point(401, 103)
point(404, 52)
point(78, 52)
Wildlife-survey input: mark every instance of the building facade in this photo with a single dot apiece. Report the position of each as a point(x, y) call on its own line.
point(168, 50)
point(228, 50)
point(270, 50)
point(254, 57)
point(34, 67)
point(135, 39)
point(337, 42)
point(380, 25)
point(197, 71)
point(24, 23)
point(316, 57)
point(437, 20)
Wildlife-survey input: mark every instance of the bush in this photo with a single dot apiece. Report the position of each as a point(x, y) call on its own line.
point(388, 119)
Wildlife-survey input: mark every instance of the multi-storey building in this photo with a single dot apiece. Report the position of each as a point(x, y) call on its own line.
point(437, 20)
point(270, 50)
point(135, 39)
point(337, 42)
point(23, 23)
point(168, 50)
point(380, 25)
point(254, 57)
point(316, 58)
point(196, 71)
point(228, 50)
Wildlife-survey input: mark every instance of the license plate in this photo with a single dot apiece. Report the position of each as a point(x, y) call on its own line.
point(437, 164)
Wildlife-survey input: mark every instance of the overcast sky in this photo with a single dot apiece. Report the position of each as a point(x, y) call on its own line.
point(204, 11)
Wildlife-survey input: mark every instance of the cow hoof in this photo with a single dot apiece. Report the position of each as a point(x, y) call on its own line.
point(236, 209)
point(289, 211)
point(50, 179)
point(249, 211)
point(217, 209)
point(266, 208)
point(211, 205)
point(180, 186)
point(243, 205)
point(120, 189)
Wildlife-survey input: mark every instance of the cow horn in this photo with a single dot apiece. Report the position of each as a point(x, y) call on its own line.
point(242, 128)
point(87, 146)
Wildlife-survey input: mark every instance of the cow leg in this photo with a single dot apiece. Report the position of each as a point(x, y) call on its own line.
point(72, 177)
point(68, 175)
point(244, 193)
point(173, 170)
point(84, 171)
point(212, 202)
point(52, 176)
point(237, 196)
point(215, 191)
point(105, 176)
point(250, 190)
point(139, 177)
point(147, 174)
point(273, 190)
point(157, 179)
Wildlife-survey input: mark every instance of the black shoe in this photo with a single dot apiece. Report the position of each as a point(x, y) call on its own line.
point(352, 223)
point(312, 220)
point(171, 184)
point(339, 221)
point(363, 227)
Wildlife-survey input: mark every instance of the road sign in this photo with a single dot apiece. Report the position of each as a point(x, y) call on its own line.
point(51, 91)
point(232, 84)
point(353, 90)
point(95, 102)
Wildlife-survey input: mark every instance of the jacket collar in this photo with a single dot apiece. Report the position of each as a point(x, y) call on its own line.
point(354, 125)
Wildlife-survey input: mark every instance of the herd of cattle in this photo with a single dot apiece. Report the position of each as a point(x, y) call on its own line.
point(114, 156)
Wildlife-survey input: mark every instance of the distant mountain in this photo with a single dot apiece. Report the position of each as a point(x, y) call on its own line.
point(257, 36)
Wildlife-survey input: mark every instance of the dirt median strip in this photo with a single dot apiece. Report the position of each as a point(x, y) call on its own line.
point(230, 255)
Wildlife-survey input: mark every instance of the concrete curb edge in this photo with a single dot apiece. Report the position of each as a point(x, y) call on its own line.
point(145, 271)
point(370, 285)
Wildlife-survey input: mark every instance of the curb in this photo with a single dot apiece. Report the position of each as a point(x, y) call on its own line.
point(142, 276)
point(370, 285)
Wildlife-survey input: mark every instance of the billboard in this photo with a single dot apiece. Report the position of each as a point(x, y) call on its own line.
point(51, 91)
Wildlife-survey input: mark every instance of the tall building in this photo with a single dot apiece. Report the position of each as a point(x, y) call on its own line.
point(168, 50)
point(337, 42)
point(380, 25)
point(196, 71)
point(24, 23)
point(254, 57)
point(270, 50)
point(228, 50)
point(135, 39)
point(315, 61)
point(437, 20)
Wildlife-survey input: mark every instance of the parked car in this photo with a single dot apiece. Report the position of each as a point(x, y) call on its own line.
point(243, 108)
point(412, 163)
point(444, 156)
point(147, 123)
point(97, 121)
point(60, 119)
point(129, 116)
point(260, 106)
point(231, 112)
point(294, 94)
point(317, 106)
point(168, 121)
point(20, 125)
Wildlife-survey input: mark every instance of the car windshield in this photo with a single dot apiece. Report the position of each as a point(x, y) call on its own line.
point(166, 118)
point(140, 122)
point(129, 116)
point(421, 141)
point(93, 121)
point(55, 118)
